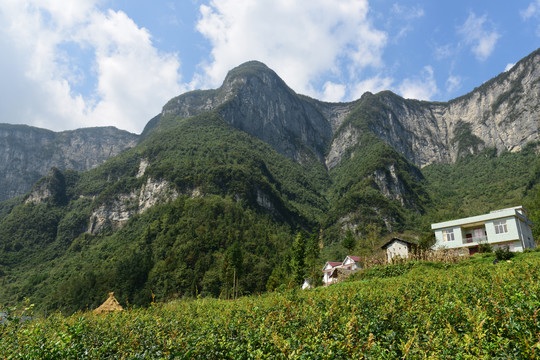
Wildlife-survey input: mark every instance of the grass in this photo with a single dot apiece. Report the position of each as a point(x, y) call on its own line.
point(471, 309)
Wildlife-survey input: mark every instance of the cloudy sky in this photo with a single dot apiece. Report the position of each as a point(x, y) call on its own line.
point(72, 64)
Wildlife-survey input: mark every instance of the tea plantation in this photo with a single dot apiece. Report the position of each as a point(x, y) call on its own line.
point(473, 309)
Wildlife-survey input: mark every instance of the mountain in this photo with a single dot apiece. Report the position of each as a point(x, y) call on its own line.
point(28, 153)
point(226, 187)
point(502, 113)
point(255, 100)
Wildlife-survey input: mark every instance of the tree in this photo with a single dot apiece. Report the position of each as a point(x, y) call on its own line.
point(427, 240)
point(373, 232)
point(232, 269)
point(313, 251)
point(534, 214)
point(349, 242)
point(298, 259)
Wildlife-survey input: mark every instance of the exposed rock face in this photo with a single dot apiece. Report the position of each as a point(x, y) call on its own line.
point(254, 99)
point(266, 108)
point(344, 140)
point(502, 113)
point(118, 212)
point(28, 153)
point(51, 189)
point(391, 186)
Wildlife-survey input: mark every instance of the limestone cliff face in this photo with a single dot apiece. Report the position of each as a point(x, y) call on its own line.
point(115, 213)
point(28, 153)
point(254, 99)
point(49, 189)
point(266, 108)
point(503, 113)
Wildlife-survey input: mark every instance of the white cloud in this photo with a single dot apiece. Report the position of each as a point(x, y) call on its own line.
point(476, 34)
point(133, 80)
point(404, 16)
point(409, 13)
point(422, 87)
point(373, 85)
point(453, 83)
point(333, 92)
point(509, 66)
point(444, 52)
point(533, 10)
point(301, 41)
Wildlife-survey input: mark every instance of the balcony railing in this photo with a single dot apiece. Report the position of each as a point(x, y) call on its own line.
point(479, 239)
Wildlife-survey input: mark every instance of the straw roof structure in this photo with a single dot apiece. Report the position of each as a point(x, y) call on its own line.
point(110, 305)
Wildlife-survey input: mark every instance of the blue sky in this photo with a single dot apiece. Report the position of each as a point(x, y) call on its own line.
point(67, 65)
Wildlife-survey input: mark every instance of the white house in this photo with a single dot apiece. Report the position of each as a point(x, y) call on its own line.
point(506, 227)
point(333, 270)
point(398, 248)
point(351, 263)
point(330, 275)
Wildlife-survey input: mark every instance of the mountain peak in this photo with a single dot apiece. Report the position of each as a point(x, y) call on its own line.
point(252, 70)
point(252, 66)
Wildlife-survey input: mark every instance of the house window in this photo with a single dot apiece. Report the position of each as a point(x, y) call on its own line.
point(448, 235)
point(500, 227)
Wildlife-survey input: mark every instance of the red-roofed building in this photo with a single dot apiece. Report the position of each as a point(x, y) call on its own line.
point(330, 275)
point(333, 269)
point(351, 263)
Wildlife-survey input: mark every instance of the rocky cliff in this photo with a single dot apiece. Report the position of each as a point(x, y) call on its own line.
point(254, 99)
point(502, 113)
point(28, 153)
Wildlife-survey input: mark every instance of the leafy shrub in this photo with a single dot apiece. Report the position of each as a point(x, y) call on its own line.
point(503, 253)
point(485, 248)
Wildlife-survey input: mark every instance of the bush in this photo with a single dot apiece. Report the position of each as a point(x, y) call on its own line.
point(503, 253)
point(485, 248)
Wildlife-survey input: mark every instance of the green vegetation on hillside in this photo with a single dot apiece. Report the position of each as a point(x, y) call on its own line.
point(478, 184)
point(467, 142)
point(236, 217)
point(373, 185)
point(472, 309)
point(206, 152)
point(251, 199)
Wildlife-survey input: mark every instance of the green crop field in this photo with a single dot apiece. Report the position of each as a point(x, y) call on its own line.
point(473, 309)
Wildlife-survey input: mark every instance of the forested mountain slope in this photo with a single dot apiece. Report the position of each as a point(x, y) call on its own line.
point(249, 186)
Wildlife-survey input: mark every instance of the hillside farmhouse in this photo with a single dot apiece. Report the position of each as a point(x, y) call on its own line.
point(398, 248)
point(501, 228)
point(333, 271)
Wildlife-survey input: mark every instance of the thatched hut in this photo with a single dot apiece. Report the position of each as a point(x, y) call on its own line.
point(110, 305)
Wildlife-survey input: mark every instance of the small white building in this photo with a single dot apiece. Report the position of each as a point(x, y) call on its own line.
point(351, 263)
point(398, 248)
point(306, 284)
point(501, 228)
point(330, 275)
point(334, 271)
